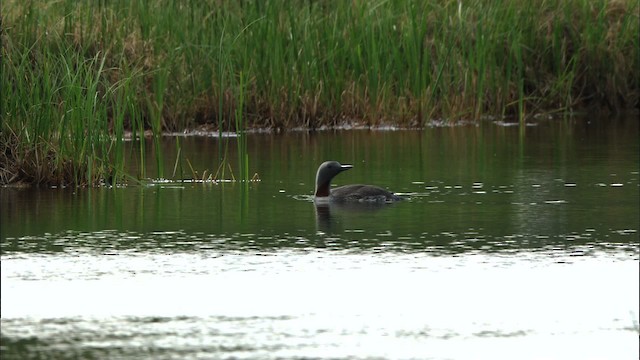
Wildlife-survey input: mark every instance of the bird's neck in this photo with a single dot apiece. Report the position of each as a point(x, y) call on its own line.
point(322, 190)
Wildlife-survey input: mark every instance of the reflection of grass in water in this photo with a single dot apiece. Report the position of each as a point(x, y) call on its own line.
point(76, 74)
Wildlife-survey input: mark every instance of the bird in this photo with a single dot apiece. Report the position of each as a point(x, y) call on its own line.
point(347, 193)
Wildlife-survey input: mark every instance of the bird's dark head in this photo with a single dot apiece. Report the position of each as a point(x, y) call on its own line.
point(326, 172)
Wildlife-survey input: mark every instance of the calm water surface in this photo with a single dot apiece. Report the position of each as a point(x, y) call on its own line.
point(512, 244)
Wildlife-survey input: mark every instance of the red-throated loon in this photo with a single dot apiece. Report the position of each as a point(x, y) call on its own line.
point(352, 193)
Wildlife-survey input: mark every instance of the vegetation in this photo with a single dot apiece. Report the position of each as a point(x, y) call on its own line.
point(78, 75)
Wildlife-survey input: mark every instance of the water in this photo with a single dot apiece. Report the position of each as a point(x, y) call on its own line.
point(511, 245)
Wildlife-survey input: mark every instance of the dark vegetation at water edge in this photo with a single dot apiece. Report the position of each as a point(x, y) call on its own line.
point(77, 74)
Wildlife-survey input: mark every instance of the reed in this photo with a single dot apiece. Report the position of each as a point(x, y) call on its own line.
point(77, 75)
point(243, 155)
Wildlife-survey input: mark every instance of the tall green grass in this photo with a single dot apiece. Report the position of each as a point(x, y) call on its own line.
point(77, 75)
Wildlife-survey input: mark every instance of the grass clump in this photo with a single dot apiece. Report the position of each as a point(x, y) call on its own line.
point(77, 74)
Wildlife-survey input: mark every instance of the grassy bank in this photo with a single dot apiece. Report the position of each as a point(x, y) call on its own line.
point(77, 74)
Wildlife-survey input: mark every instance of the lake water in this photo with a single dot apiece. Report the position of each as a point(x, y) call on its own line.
point(513, 244)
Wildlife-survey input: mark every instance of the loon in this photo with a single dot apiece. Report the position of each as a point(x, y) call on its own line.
point(347, 193)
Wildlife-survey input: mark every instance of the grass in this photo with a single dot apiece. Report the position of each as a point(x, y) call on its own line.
point(77, 74)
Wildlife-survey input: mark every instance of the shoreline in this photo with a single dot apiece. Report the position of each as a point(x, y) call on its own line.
point(94, 71)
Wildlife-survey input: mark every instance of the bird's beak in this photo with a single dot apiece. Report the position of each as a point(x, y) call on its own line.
point(345, 167)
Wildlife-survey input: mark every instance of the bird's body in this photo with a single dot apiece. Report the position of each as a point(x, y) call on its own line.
point(347, 193)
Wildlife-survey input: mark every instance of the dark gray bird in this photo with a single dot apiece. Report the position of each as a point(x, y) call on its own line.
point(347, 193)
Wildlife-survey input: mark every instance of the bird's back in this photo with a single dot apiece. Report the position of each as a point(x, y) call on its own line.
point(363, 193)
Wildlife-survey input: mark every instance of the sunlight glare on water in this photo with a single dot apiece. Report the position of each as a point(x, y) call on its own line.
point(336, 303)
